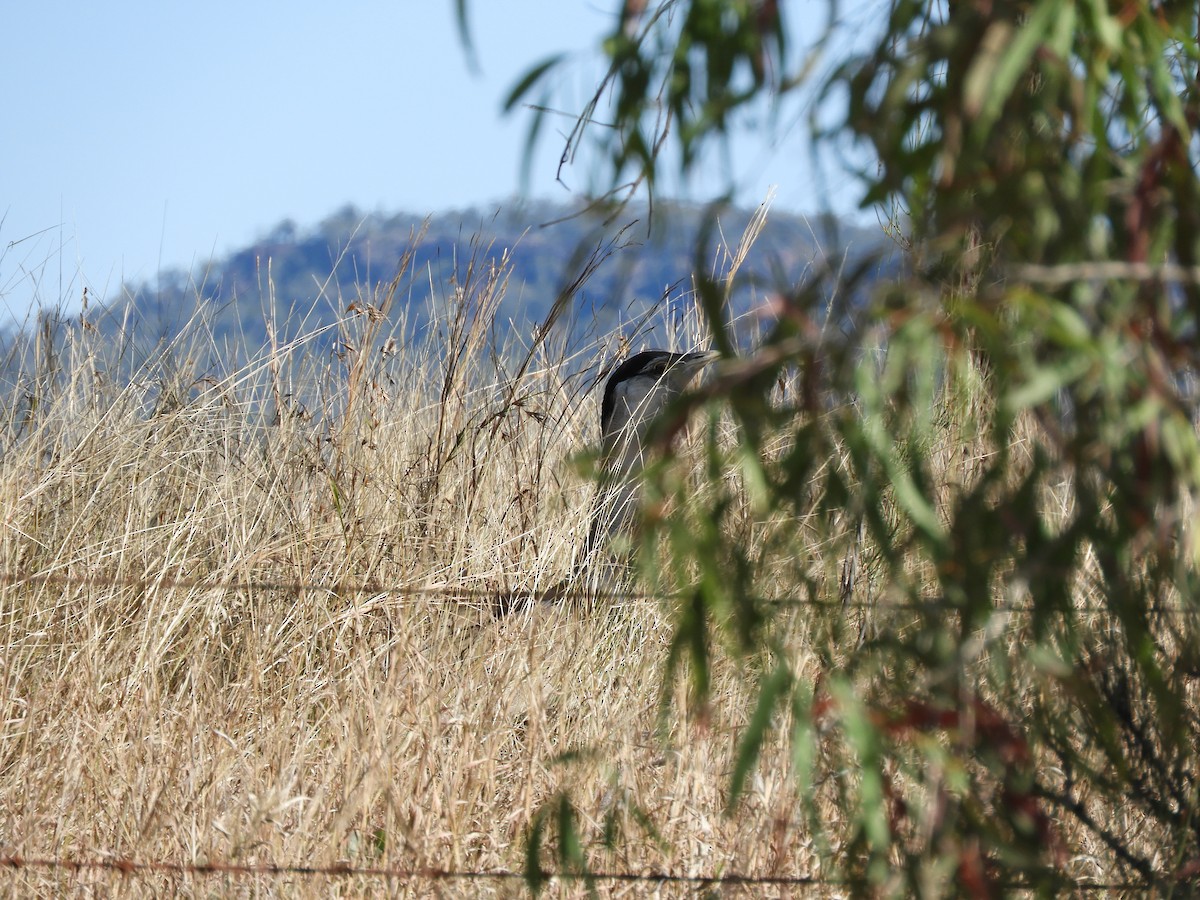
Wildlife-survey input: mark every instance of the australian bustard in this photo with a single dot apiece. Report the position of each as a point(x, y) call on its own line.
point(637, 393)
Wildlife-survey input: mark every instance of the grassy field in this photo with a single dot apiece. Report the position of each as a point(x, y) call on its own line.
point(241, 626)
point(247, 618)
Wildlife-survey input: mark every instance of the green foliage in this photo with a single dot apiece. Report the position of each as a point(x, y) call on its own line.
point(561, 815)
point(982, 495)
point(1052, 131)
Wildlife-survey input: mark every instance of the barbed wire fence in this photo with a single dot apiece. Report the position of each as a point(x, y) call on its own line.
point(500, 598)
point(134, 868)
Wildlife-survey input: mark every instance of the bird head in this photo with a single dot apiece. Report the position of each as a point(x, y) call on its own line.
point(640, 388)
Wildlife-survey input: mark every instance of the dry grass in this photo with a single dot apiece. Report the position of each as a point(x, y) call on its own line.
point(258, 627)
point(304, 719)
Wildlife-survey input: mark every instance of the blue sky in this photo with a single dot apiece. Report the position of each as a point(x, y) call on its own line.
point(146, 134)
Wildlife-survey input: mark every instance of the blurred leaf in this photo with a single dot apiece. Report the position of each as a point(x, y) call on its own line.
point(1004, 59)
point(527, 82)
point(1045, 382)
point(535, 876)
point(756, 480)
point(570, 845)
point(462, 18)
point(772, 688)
point(863, 738)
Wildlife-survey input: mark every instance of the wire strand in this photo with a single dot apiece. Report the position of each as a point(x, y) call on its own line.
point(505, 598)
point(130, 867)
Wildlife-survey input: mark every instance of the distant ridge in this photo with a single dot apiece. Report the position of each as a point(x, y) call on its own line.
point(307, 277)
point(301, 283)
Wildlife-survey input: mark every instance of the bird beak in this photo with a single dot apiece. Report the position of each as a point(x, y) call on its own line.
point(697, 361)
point(692, 363)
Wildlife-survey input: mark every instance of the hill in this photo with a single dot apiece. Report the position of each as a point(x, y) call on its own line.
point(305, 278)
